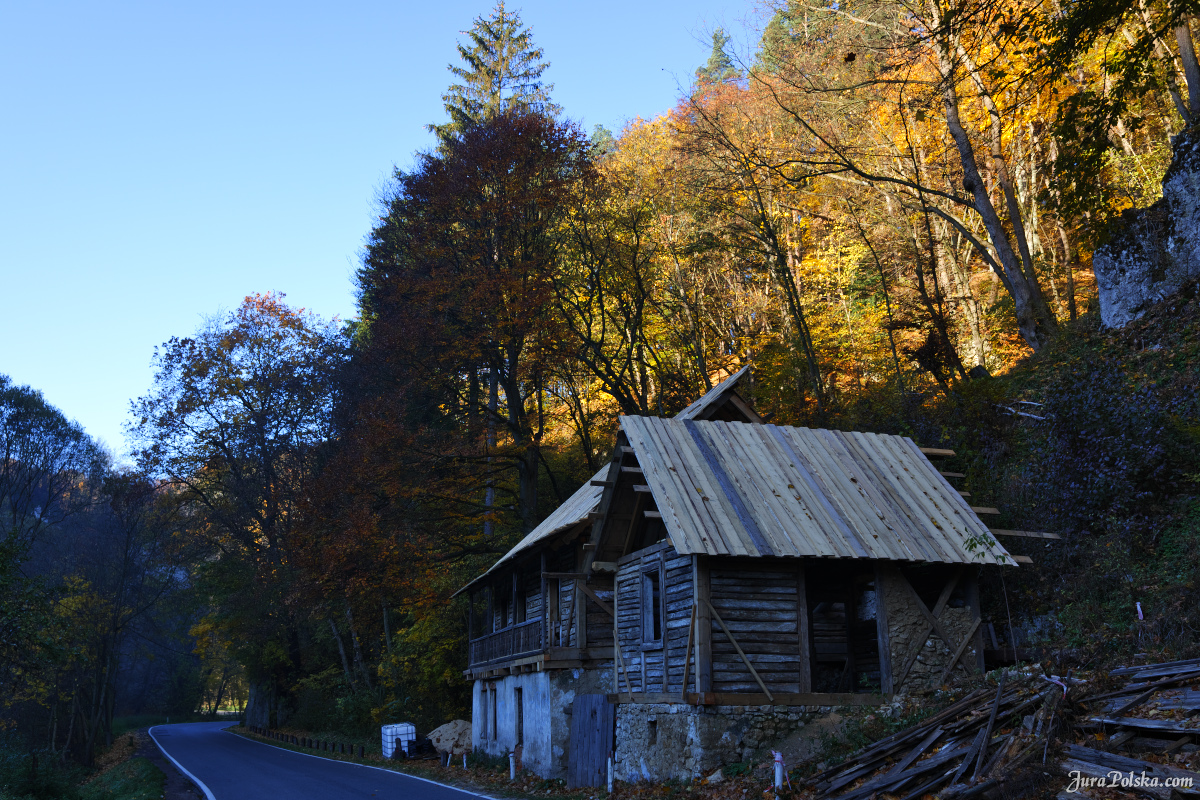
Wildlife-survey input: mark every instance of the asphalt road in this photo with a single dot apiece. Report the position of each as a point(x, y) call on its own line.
point(232, 767)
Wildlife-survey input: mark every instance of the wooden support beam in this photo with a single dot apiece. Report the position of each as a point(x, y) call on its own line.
point(962, 648)
point(936, 452)
point(687, 654)
point(641, 487)
point(962, 493)
point(953, 474)
point(803, 630)
point(738, 647)
point(883, 637)
point(1025, 534)
point(631, 470)
point(653, 514)
point(700, 594)
point(931, 618)
point(1022, 559)
point(985, 510)
point(749, 699)
point(605, 607)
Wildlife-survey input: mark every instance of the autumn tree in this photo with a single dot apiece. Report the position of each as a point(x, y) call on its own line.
point(459, 274)
point(234, 424)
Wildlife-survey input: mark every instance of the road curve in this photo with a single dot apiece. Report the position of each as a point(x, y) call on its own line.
point(231, 767)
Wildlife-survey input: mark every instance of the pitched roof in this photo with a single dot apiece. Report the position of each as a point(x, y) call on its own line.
point(587, 497)
point(729, 488)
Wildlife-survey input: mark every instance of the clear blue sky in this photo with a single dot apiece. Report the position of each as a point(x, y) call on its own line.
point(160, 161)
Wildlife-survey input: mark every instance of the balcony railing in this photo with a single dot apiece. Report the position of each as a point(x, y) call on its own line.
point(511, 642)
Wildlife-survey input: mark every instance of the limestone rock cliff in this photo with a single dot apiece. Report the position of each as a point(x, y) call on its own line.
point(1157, 250)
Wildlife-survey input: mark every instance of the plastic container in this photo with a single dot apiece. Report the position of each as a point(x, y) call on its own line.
point(400, 734)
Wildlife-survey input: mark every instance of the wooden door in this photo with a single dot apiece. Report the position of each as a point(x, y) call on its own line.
point(593, 721)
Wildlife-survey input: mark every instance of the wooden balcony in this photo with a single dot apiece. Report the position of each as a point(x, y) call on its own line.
point(507, 643)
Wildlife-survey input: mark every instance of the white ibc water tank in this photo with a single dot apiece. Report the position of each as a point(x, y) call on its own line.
point(400, 734)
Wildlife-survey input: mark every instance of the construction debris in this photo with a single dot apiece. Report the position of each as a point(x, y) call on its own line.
point(993, 739)
point(958, 752)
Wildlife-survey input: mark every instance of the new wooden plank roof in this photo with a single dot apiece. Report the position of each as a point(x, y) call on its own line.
point(729, 488)
point(587, 498)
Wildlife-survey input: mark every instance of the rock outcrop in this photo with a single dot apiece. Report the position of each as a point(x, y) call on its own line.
point(1157, 250)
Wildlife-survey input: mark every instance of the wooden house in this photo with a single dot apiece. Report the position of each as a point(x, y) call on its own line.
point(716, 584)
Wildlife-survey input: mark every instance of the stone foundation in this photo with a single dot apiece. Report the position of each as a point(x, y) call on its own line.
point(661, 741)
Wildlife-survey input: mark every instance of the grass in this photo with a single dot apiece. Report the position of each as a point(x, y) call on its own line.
point(135, 779)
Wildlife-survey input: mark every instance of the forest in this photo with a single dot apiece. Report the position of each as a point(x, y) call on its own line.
point(887, 210)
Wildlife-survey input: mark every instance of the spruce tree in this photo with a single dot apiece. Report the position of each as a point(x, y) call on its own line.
point(501, 71)
point(720, 65)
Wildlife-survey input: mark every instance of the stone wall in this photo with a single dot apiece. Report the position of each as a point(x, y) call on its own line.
point(1156, 252)
point(661, 741)
point(906, 625)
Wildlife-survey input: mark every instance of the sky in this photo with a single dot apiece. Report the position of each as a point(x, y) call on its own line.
point(161, 161)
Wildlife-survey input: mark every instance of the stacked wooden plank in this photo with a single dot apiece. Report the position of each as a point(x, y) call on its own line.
point(1156, 710)
point(960, 752)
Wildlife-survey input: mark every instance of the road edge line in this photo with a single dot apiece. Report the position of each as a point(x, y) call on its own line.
point(365, 766)
point(199, 783)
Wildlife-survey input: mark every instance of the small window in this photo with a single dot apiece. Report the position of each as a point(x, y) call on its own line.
point(652, 732)
point(652, 607)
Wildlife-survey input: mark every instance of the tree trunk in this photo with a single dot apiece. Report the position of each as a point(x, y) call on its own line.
point(337, 637)
point(1027, 318)
point(1041, 309)
point(1191, 70)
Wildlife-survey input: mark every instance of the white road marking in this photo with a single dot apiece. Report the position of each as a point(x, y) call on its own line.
point(365, 766)
point(180, 767)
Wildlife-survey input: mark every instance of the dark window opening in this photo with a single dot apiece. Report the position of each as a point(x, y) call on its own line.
point(492, 692)
point(652, 732)
point(652, 610)
point(520, 720)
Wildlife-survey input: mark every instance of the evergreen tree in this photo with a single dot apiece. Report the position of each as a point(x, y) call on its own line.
point(602, 141)
point(720, 65)
point(501, 71)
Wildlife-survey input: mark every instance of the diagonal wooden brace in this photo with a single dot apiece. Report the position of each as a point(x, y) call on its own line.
point(934, 626)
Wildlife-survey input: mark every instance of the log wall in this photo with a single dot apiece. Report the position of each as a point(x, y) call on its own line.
point(653, 668)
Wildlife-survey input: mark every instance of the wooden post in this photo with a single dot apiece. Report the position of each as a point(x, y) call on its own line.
point(580, 617)
point(545, 606)
point(470, 621)
point(803, 631)
point(851, 617)
point(515, 584)
point(884, 635)
point(972, 592)
point(701, 592)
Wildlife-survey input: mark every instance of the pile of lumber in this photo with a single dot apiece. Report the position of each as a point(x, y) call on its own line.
point(1154, 712)
point(963, 751)
point(1114, 742)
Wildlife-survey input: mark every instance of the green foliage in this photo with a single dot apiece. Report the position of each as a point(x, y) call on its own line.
point(135, 779)
point(27, 774)
point(719, 66)
point(501, 72)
